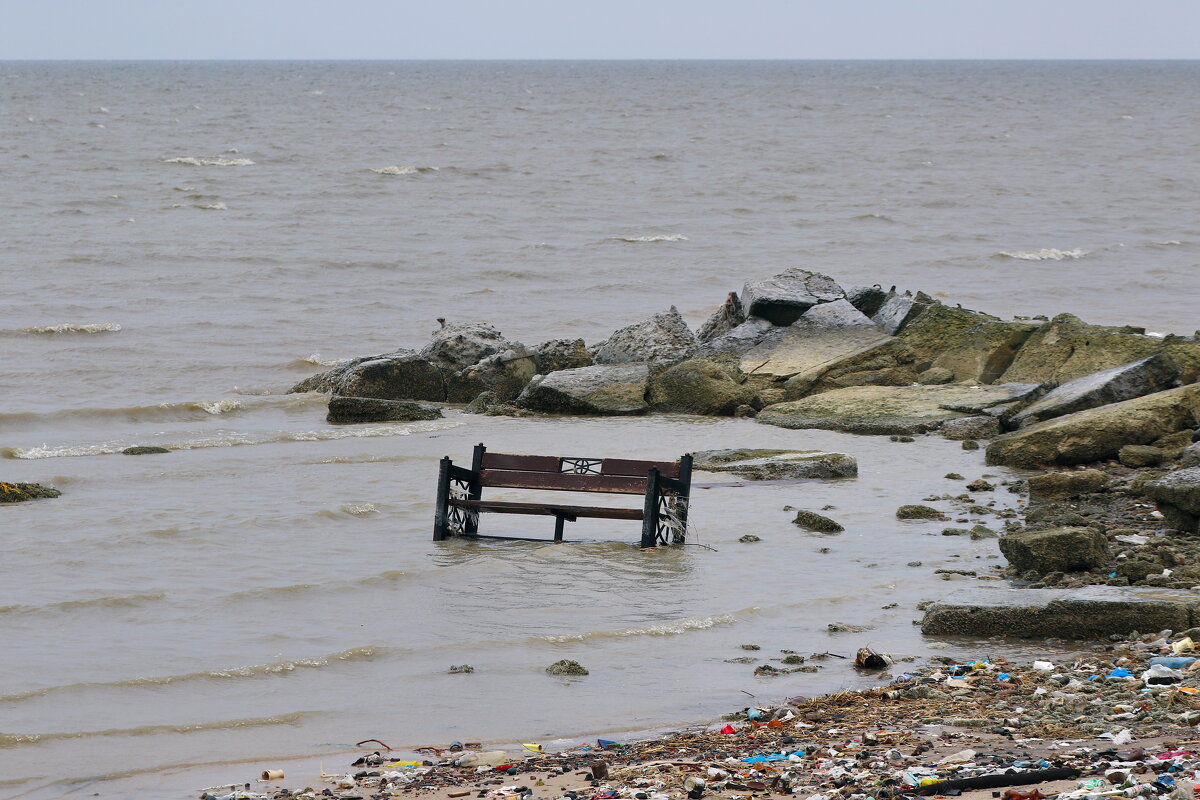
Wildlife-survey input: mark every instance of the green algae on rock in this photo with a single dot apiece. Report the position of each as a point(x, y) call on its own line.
point(19, 492)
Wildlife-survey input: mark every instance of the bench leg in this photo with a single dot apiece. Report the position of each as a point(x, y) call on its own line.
point(440, 516)
point(559, 520)
point(650, 511)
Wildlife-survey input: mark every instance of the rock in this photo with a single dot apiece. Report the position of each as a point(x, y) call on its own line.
point(919, 512)
point(867, 299)
point(456, 347)
point(935, 376)
point(1067, 348)
point(749, 538)
point(783, 298)
point(980, 427)
point(1140, 455)
point(953, 476)
point(745, 412)
point(1055, 550)
point(482, 403)
point(1178, 497)
point(506, 373)
point(761, 465)
point(20, 492)
point(1098, 433)
point(812, 521)
point(970, 345)
point(897, 312)
point(663, 337)
point(970, 444)
point(1124, 382)
point(566, 667)
point(402, 375)
point(1090, 612)
point(1138, 569)
point(700, 386)
point(144, 450)
point(1190, 457)
point(901, 410)
point(1173, 444)
point(828, 351)
point(601, 389)
point(349, 410)
point(461, 669)
point(980, 485)
point(741, 339)
point(723, 320)
point(1067, 484)
point(560, 354)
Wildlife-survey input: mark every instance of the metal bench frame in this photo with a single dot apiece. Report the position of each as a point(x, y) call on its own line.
point(665, 485)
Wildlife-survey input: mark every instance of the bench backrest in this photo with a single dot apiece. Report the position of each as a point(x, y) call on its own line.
point(619, 475)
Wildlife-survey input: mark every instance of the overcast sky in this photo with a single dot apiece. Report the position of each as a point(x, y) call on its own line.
point(536, 29)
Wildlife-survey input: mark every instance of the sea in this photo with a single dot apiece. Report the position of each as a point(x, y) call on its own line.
point(182, 242)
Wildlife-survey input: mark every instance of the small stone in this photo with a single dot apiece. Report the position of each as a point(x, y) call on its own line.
point(1140, 455)
point(919, 512)
point(914, 564)
point(566, 667)
point(953, 476)
point(811, 520)
point(793, 659)
point(144, 450)
point(751, 647)
point(741, 660)
point(749, 537)
point(980, 485)
point(461, 669)
point(970, 444)
point(841, 627)
point(954, 531)
point(904, 439)
point(766, 669)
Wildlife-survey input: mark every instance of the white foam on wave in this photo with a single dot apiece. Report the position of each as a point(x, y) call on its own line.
point(72, 327)
point(1166, 243)
point(1045, 254)
point(209, 161)
point(232, 440)
point(359, 509)
point(316, 360)
point(407, 169)
point(674, 237)
point(212, 206)
point(220, 406)
point(673, 628)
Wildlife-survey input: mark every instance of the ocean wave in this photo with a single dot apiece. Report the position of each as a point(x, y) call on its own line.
point(662, 629)
point(193, 409)
point(314, 359)
point(233, 440)
point(72, 327)
point(359, 509)
point(8, 740)
point(674, 237)
point(211, 206)
point(1045, 254)
point(295, 589)
point(407, 169)
point(1164, 243)
point(272, 668)
point(875, 217)
point(115, 601)
point(209, 161)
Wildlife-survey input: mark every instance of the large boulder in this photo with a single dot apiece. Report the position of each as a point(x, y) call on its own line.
point(456, 347)
point(506, 373)
point(1137, 378)
point(402, 375)
point(700, 386)
point(971, 345)
point(1091, 612)
point(350, 410)
point(663, 337)
point(781, 299)
point(1098, 433)
point(903, 410)
point(898, 311)
point(1055, 550)
point(1178, 497)
point(766, 464)
point(1067, 348)
point(600, 390)
point(867, 299)
point(833, 345)
point(1067, 484)
point(723, 320)
point(559, 354)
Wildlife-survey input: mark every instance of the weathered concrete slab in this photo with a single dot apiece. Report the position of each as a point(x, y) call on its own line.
point(765, 465)
point(1137, 378)
point(1086, 613)
point(804, 349)
point(885, 409)
point(782, 298)
point(601, 389)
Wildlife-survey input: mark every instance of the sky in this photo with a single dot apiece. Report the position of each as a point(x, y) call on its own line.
point(599, 29)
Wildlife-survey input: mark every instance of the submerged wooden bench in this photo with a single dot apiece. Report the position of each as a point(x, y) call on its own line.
point(664, 485)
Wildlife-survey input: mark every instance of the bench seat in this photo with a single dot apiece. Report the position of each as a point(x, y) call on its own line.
point(550, 509)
